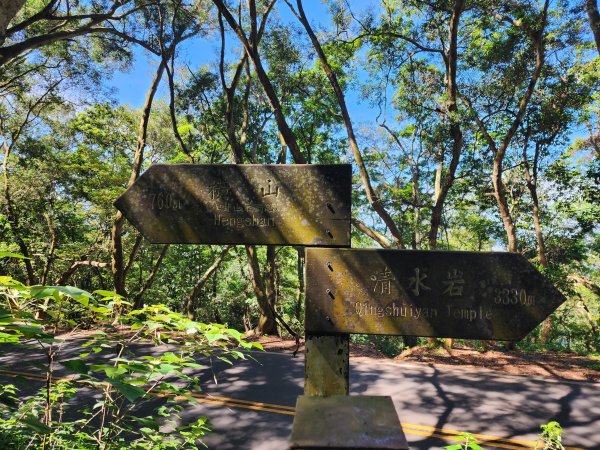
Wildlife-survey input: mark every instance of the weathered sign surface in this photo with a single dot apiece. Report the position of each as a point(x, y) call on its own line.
point(242, 204)
point(425, 293)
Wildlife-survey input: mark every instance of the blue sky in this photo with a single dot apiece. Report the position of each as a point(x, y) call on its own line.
point(130, 87)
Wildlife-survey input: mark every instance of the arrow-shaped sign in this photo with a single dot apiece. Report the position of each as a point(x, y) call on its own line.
point(242, 204)
point(425, 293)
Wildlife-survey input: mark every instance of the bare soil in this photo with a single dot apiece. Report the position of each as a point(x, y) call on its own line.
point(560, 366)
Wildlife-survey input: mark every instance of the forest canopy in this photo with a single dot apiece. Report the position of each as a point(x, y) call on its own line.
point(470, 125)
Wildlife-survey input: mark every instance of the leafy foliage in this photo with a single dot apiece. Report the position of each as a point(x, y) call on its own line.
point(123, 379)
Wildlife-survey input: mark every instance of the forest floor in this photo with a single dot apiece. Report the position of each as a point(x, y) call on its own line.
point(560, 366)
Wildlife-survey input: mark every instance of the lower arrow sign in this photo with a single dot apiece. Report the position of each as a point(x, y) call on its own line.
point(425, 293)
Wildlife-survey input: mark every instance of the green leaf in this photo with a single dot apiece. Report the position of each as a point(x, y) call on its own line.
point(99, 309)
point(131, 393)
point(166, 369)
point(115, 371)
point(12, 255)
point(29, 331)
point(148, 422)
point(107, 294)
point(79, 295)
point(6, 338)
point(76, 365)
point(34, 424)
point(215, 337)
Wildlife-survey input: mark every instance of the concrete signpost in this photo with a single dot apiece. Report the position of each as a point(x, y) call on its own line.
point(444, 294)
point(242, 204)
point(465, 295)
point(393, 292)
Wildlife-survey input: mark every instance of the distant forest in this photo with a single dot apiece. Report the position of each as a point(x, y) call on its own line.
point(470, 125)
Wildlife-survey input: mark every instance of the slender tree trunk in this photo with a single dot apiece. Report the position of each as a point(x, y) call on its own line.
point(139, 297)
point(174, 125)
point(373, 198)
point(117, 260)
point(264, 288)
point(51, 249)
point(451, 107)
point(300, 291)
point(190, 301)
point(502, 201)
point(531, 181)
point(416, 175)
point(373, 234)
point(250, 44)
point(499, 152)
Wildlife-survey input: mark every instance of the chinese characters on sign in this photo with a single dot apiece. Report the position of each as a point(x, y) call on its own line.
point(423, 293)
point(242, 204)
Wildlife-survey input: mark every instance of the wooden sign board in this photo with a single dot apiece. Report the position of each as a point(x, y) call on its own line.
point(425, 293)
point(242, 204)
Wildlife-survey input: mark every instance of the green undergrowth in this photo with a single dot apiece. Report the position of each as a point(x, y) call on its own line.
point(97, 404)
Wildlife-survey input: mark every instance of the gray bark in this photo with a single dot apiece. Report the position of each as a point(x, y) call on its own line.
point(8, 11)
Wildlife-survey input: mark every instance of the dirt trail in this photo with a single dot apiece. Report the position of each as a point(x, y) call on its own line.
point(561, 366)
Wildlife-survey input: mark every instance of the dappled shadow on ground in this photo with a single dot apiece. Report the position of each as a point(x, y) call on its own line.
point(435, 396)
point(555, 365)
point(509, 407)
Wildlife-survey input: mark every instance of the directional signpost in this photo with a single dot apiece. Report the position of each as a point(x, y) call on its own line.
point(441, 294)
point(395, 292)
point(464, 295)
point(242, 204)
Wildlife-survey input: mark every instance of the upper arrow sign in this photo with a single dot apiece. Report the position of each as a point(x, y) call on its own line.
point(242, 204)
point(425, 293)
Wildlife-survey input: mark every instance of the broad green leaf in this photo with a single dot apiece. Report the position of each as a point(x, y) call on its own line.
point(6, 338)
point(29, 331)
point(12, 255)
point(166, 369)
point(76, 365)
point(115, 371)
point(34, 424)
point(107, 294)
point(131, 393)
point(99, 309)
point(79, 295)
point(215, 337)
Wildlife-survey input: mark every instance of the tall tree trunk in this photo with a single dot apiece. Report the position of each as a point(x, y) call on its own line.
point(451, 109)
point(117, 260)
point(264, 288)
point(594, 18)
point(531, 178)
point(531, 181)
point(499, 151)
point(51, 249)
point(250, 44)
point(190, 301)
point(300, 291)
point(373, 198)
point(263, 283)
point(139, 297)
point(502, 201)
point(8, 9)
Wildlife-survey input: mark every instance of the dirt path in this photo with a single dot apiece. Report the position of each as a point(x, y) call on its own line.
point(560, 366)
